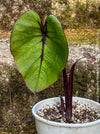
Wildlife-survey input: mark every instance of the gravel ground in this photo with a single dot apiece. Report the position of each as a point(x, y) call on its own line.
point(5, 55)
point(75, 51)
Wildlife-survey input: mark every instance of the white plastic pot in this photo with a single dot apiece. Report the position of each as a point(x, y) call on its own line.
point(44, 126)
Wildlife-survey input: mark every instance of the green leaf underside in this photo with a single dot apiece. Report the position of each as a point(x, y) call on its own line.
point(39, 55)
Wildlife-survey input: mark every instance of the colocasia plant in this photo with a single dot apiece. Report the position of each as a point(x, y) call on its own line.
point(40, 50)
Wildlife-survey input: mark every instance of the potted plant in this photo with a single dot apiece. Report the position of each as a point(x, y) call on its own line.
point(40, 50)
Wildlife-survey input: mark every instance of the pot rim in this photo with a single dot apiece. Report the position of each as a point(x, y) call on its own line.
point(58, 124)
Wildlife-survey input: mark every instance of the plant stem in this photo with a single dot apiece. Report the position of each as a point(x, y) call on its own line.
point(63, 108)
point(68, 89)
point(67, 96)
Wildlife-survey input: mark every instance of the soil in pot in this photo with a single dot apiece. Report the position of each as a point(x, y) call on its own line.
point(81, 113)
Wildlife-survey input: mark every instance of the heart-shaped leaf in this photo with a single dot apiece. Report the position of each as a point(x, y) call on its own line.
point(40, 50)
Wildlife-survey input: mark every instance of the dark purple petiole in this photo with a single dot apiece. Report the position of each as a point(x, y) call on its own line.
point(68, 87)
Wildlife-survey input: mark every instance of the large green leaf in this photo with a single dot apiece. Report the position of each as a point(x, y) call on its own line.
point(40, 51)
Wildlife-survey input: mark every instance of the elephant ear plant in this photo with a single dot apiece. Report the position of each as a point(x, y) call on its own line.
point(40, 50)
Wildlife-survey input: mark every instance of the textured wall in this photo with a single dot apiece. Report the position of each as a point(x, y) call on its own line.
point(72, 14)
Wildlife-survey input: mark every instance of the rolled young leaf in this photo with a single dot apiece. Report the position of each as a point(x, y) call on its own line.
point(40, 50)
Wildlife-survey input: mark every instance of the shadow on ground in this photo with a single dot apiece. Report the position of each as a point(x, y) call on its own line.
point(16, 100)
